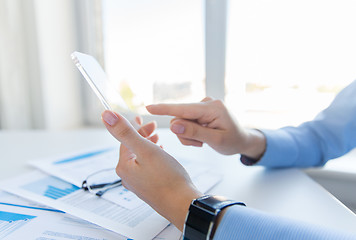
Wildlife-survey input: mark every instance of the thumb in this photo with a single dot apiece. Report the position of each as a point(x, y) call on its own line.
point(194, 131)
point(123, 131)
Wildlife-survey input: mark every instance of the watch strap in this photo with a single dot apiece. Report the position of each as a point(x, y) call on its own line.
point(202, 215)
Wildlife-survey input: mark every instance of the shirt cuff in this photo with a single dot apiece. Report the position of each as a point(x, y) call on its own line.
point(279, 144)
point(248, 161)
point(281, 149)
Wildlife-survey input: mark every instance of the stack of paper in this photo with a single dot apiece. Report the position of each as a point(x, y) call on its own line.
point(118, 214)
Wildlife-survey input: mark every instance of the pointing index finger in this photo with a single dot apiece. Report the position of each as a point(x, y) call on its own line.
point(186, 111)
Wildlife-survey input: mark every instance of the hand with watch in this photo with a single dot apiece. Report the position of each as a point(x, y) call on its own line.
point(159, 180)
point(204, 215)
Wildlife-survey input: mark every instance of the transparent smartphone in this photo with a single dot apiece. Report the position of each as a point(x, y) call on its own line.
point(99, 82)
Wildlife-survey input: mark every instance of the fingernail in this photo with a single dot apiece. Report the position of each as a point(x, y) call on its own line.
point(110, 118)
point(177, 128)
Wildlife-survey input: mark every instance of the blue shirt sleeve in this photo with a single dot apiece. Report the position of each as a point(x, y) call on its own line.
point(245, 223)
point(331, 134)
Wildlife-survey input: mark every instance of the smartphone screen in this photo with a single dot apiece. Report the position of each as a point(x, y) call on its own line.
point(99, 82)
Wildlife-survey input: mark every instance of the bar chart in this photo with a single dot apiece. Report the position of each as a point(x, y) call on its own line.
point(10, 222)
point(55, 193)
point(51, 187)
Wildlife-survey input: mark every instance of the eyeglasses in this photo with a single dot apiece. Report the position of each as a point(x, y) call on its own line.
point(101, 181)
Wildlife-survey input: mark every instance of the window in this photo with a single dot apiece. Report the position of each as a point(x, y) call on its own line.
point(154, 50)
point(286, 60)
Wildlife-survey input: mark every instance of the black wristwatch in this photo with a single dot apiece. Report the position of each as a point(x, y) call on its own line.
point(202, 216)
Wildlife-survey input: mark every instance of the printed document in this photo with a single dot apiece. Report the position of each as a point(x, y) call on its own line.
point(140, 223)
point(77, 166)
point(56, 220)
point(22, 219)
point(58, 185)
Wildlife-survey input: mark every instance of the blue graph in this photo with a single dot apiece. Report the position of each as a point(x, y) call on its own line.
point(51, 187)
point(83, 156)
point(10, 222)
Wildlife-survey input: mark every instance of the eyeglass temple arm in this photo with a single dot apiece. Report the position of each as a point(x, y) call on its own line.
point(95, 186)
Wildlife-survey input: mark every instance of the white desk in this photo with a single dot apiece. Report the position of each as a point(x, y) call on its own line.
point(339, 177)
point(289, 193)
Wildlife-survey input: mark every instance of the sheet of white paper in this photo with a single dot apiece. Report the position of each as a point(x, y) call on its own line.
point(9, 198)
point(140, 223)
point(75, 167)
point(22, 219)
point(169, 233)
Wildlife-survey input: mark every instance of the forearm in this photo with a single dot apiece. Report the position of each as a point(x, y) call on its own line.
point(246, 223)
point(175, 207)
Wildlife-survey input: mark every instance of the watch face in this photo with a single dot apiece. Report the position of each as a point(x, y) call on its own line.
point(211, 203)
point(202, 215)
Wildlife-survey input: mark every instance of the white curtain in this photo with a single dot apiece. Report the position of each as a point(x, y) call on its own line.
point(18, 66)
point(39, 85)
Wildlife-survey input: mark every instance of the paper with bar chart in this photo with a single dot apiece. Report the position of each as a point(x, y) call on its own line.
point(139, 223)
point(62, 224)
point(22, 219)
point(10, 222)
point(118, 210)
point(77, 166)
point(51, 187)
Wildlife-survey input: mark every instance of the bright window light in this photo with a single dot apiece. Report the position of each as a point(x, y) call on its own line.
point(154, 50)
point(286, 60)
